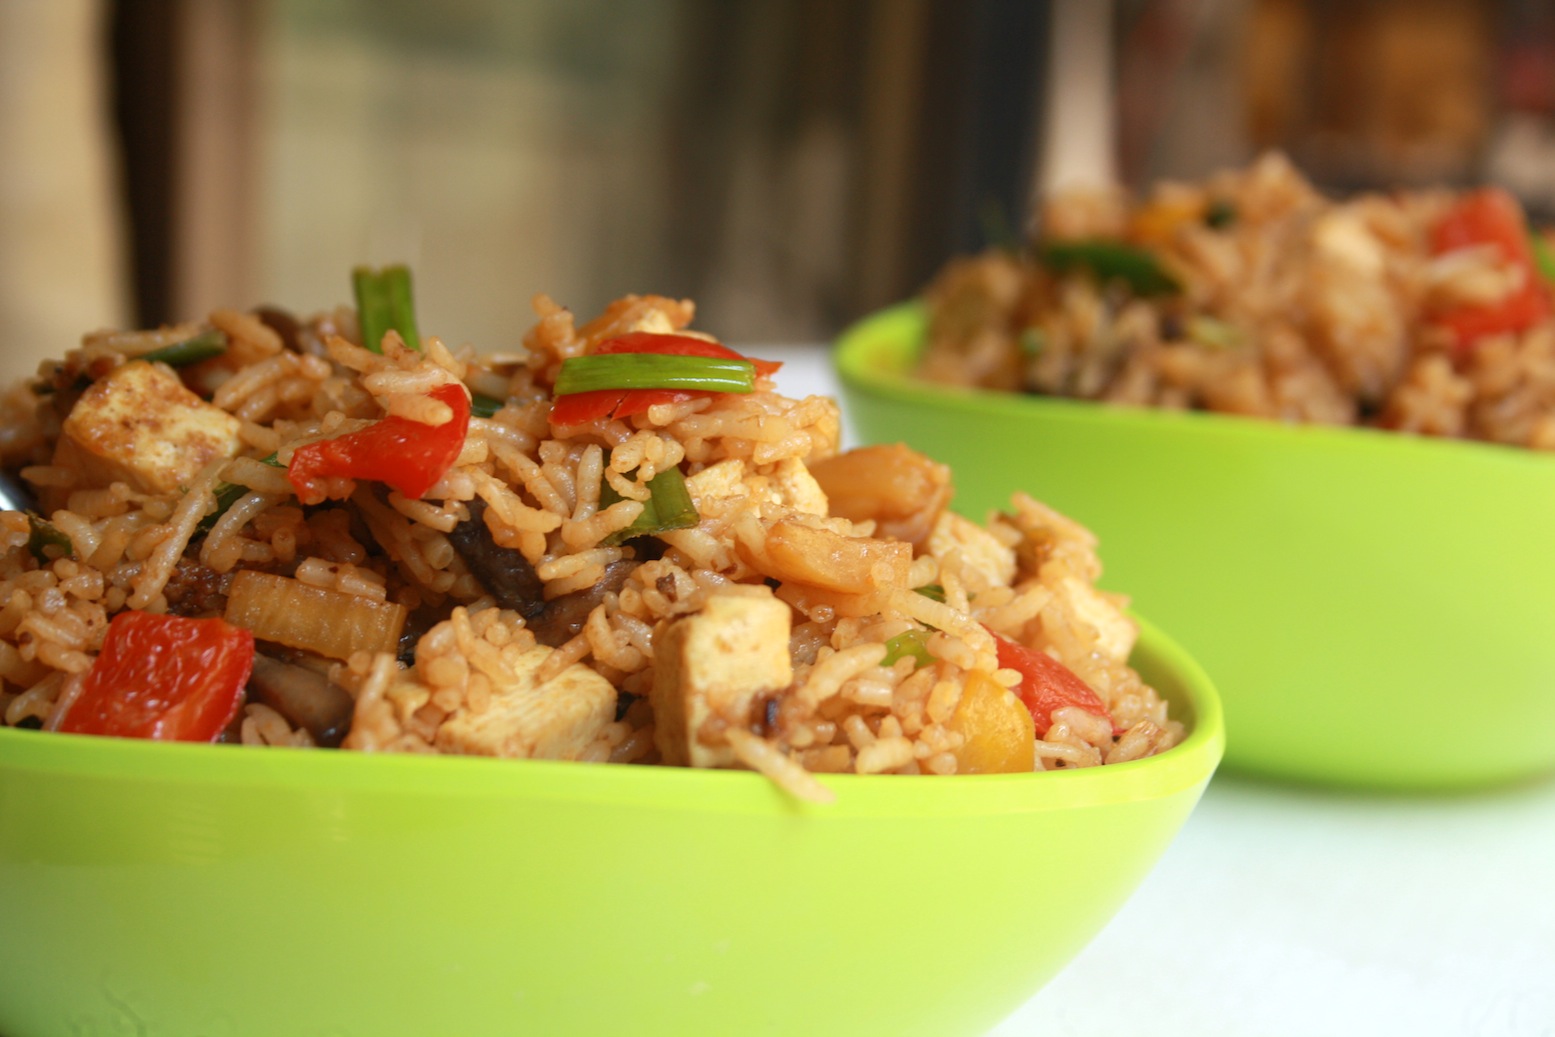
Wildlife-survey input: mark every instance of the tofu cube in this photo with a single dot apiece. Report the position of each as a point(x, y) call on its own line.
point(140, 426)
point(554, 720)
point(979, 548)
point(709, 668)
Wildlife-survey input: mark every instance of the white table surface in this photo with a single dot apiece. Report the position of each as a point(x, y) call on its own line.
point(1282, 911)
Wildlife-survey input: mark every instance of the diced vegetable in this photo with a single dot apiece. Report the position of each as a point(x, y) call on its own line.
point(483, 406)
point(654, 371)
point(1214, 333)
point(1110, 261)
point(384, 302)
point(1492, 217)
point(902, 491)
point(914, 643)
point(1000, 737)
point(227, 494)
point(204, 346)
point(1046, 684)
point(45, 541)
point(163, 677)
point(1031, 342)
point(822, 558)
point(669, 506)
point(575, 408)
point(328, 622)
point(1219, 214)
point(407, 455)
point(1543, 256)
point(306, 698)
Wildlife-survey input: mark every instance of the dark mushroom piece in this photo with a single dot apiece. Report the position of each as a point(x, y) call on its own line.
point(513, 583)
point(305, 697)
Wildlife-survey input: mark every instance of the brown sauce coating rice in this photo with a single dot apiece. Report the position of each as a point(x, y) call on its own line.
point(472, 677)
point(1294, 307)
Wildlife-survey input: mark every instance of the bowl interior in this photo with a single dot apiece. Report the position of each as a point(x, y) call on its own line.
point(1355, 594)
point(201, 889)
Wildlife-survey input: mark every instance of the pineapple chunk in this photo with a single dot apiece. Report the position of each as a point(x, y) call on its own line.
point(140, 426)
point(554, 720)
point(709, 668)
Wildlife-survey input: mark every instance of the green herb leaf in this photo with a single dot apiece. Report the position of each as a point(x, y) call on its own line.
point(1110, 261)
point(204, 346)
point(669, 506)
point(384, 302)
point(932, 591)
point(654, 371)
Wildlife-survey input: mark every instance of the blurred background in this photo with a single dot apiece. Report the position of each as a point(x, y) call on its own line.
point(789, 164)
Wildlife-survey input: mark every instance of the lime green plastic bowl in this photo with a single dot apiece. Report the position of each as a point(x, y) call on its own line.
point(1377, 610)
point(215, 890)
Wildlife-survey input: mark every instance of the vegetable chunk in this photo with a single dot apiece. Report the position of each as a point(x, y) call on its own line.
point(526, 717)
point(710, 667)
point(140, 426)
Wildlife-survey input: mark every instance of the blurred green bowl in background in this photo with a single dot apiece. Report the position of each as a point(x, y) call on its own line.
point(215, 890)
point(1377, 610)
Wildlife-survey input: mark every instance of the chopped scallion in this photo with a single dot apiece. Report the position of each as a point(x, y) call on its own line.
point(914, 642)
point(1110, 261)
point(1219, 214)
point(1543, 256)
point(483, 406)
point(932, 591)
point(42, 536)
point(654, 371)
point(1216, 334)
point(669, 506)
point(204, 346)
point(227, 494)
point(384, 302)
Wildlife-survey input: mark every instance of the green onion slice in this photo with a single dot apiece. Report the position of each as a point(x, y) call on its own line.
point(913, 643)
point(1110, 261)
point(654, 371)
point(383, 302)
point(43, 536)
point(227, 494)
point(932, 591)
point(483, 406)
point(206, 344)
point(669, 506)
point(1543, 256)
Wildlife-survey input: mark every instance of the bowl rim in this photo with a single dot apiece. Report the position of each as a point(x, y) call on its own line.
point(871, 357)
point(506, 783)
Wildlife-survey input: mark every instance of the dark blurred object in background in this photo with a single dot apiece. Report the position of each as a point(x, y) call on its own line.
point(789, 164)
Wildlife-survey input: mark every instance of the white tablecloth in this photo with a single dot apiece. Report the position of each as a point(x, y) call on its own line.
point(1292, 912)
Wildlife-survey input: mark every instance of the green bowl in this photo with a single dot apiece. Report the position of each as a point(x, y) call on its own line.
point(193, 889)
point(1375, 608)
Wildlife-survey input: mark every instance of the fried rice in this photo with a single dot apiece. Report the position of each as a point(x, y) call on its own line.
point(823, 612)
point(1270, 300)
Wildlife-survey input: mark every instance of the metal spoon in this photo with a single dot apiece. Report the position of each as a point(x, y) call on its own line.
point(16, 495)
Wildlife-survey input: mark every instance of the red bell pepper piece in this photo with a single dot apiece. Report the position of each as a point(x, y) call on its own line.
point(577, 408)
point(1492, 217)
point(1047, 684)
point(164, 677)
point(407, 455)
